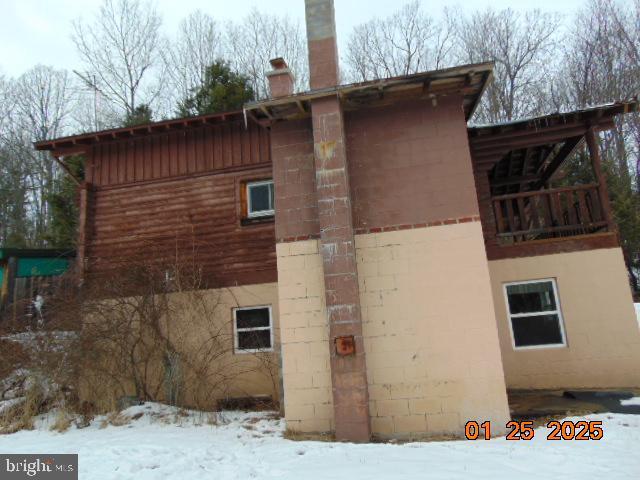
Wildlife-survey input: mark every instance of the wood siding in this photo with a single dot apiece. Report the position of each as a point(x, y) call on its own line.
point(179, 192)
point(205, 149)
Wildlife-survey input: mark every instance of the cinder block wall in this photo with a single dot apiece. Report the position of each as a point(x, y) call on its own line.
point(304, 331)
point(603, 336)
point(433, 357)
point(432, 349)
point(196, 323)
point(430, 337)
point(303, 318)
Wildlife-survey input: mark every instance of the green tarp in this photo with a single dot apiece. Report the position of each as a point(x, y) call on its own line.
point(41, 267)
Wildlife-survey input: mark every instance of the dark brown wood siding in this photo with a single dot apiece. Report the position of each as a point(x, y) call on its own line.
point(192, 151)
point(179, 193)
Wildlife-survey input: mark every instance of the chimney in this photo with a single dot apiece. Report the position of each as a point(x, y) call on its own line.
point(280, 78)
point(322, 45)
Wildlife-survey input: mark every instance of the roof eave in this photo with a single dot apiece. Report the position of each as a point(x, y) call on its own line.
point(428, 80)
point(76, 144)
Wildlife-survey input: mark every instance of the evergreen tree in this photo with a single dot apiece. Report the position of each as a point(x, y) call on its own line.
point(140, 115)
point(63, 228)
point(223, 90)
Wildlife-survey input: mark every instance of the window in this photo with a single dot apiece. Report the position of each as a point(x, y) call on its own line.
point(253, 332)
point(260, 199)
point(534, 314)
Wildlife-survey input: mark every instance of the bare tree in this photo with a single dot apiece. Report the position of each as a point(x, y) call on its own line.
point(199, 44)
point(120, 50)
point(601, 64)
point(40, 111)
point(408, 41)
point(13, 189)
point(6, 102)
point(523, 47)
point(261, 37)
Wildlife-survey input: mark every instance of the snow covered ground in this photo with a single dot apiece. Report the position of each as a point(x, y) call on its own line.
point(164, 444)
point(637, 305)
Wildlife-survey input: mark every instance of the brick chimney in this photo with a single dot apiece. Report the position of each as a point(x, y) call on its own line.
point(321, 41)
point(333, 194)
point(280, 78)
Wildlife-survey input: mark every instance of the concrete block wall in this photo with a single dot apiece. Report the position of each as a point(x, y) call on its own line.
point(409, 164)
point(294, 176)
point(304, 333)
point(199, 319)
point(433, 357)
point(602, 332)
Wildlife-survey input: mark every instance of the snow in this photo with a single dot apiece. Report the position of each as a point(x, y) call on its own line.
point(637, 305)
point(167, 443)
point(630, 401)
point(31, 339)
point(7, 404)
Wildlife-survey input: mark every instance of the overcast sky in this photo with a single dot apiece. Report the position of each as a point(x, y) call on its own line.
point(39, 31)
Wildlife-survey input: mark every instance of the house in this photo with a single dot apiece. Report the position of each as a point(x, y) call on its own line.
point(405, 269)
point(26, 273)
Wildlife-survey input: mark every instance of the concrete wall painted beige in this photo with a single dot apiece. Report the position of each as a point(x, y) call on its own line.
point(196, 318)
point(431, 341)
point(603, 338)
point(304, 333)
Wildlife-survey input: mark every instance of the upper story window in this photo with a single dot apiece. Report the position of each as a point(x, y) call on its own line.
point(260, 199)
point(534, 314)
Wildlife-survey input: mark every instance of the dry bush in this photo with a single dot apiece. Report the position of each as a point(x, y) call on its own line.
point(116, 419)
point(147, 331)
point(21, 415)
point(150, 331)
point(62, 421)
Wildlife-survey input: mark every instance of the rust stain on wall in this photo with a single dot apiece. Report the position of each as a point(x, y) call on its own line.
point(325, 150)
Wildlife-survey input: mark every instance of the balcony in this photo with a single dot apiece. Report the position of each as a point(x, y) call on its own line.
point(518, 167)
point(545, 214)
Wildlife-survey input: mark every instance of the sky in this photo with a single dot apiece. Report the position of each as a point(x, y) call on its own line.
point(39, 31)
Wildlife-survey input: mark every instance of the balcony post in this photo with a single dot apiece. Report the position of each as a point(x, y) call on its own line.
point(596, 165)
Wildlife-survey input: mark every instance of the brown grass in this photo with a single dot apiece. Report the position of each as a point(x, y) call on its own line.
point(301, 436)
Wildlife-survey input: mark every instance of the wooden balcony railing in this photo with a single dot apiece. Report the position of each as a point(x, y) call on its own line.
point(558, 212)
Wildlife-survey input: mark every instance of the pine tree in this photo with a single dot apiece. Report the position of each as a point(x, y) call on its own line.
point(64, 207)
point(140, 115)
point(223, 90)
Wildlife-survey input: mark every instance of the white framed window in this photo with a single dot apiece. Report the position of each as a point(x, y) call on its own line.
point(253, 329)
point(535, 318)
point(260, 199)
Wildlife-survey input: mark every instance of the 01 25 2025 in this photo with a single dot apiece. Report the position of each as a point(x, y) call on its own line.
point(523, 430)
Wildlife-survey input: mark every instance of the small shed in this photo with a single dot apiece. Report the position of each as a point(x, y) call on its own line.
point(24, 271)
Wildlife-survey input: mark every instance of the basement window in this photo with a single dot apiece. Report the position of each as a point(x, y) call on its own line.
point(253, 329)
point(534, 314)
point(260, 199)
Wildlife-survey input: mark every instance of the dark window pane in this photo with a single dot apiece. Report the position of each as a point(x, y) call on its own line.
point(256, 339)
point(531, 297)
point(261, 197)
point(256, 317)
point(536, 330)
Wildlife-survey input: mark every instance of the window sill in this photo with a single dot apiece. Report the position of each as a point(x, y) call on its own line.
point(238, 351)
point(247, 221)
point(541, 347)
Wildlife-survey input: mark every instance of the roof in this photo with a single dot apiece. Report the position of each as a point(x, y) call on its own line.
point(594, 113)
point(35, 253)
point(79, 143)
point(526, 153)
point(470, 80)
